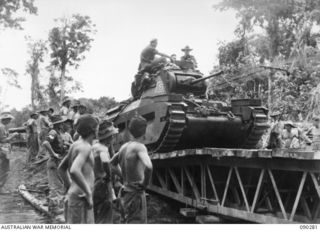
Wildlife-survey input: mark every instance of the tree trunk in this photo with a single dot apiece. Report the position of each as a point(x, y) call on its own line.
point(32, 92)
point(269, 91)
point(63, 72)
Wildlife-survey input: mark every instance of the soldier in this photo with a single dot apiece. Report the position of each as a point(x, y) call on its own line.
point(84, 108)
point(64, 110)
point(75, 109)
point(292, 136)
point(50, 113)
point(57, 146)
point(136, 170)
point(314, 133)
point(77, 172)
point(275, 131)
point(173, 58)
point(5, 138)
point(103, 191)
point(148, 56)
point(44, 124)
point(187, 57)
point(32, 136)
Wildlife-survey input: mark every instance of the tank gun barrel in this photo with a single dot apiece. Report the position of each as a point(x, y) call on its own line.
point(206, 77)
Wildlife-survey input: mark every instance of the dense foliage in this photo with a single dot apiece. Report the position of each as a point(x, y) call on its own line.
point(9, 10)
point(275, 55)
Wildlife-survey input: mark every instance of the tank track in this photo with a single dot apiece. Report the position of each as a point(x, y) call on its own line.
point(258, 128)
point(176, 122)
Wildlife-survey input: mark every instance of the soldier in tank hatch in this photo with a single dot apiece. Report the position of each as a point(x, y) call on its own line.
point(187, 57)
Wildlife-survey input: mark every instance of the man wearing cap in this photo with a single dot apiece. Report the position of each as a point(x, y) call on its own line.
point(148, 56)
point(5, 138)
point(136, 170)
point(32, 134)
point(77, 172)
point(187, 57)
point(292, 136)
point(57, 148)
point(103, 191)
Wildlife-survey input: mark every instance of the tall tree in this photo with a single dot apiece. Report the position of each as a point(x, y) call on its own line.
point(37, 50)
point(281, 20)
point(284, 39)
point(9, 11)
point(68, 42)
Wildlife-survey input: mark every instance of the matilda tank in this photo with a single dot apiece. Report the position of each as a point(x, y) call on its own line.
point(179, 117)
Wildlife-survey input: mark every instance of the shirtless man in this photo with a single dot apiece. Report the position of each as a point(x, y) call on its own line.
point(77, 173)
point(103, 191)
point(136, 170)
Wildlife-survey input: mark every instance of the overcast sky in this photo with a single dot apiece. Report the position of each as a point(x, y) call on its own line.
point(124, 28)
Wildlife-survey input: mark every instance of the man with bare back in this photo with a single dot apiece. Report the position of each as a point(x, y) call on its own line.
point(136, 170)
point(103, 192)
point(77, 173)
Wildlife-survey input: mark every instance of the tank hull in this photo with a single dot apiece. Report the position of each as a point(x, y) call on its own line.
point(173, 124)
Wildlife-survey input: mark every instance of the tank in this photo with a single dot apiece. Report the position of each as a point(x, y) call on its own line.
point(179, 117)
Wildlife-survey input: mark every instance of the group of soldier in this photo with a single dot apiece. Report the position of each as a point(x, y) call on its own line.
point(87, 180)
point(148, 58)
point(151, 60)
point(84, 174)
point(286, 134)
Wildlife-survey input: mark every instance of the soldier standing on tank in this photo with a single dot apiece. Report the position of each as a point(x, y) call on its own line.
point(187, 57)
point(148, 56)
point(5, 138)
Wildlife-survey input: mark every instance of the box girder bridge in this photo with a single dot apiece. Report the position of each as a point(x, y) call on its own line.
point(261, 186)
